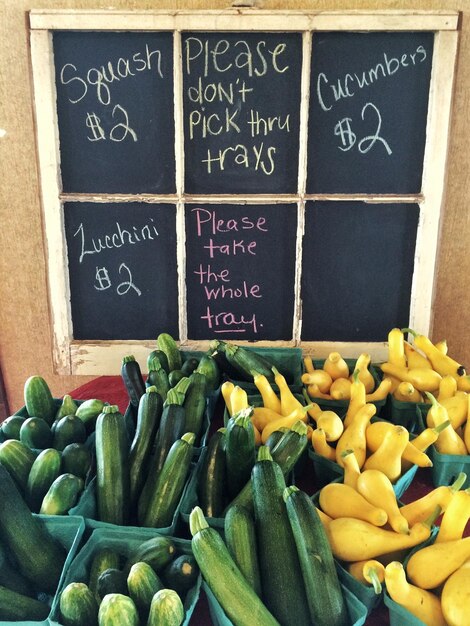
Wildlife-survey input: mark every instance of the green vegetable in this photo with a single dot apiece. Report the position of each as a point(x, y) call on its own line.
point(143, 583)
point(181, 574)
point(68, 407)
point(237, 598)
point(325, 598)
point(240, 450)
point(38, 399)
point(76, 459)
point(168, 345)
point(45, 469)
point(157, 552)
point(17, 607)
point(249, 361)
point(161, 357)
point(211, 486)
point(88, 412)
point(166, 608)
point(69, 429)
point(103, 559)
point(78, 606)
point(117, 609)
point(158, 378)
point(132, 378)
point(189, 365)
point(208, 366)
point(195, 404)
point(10, 427)
point(112, 466)
point(281, 578)
point(240, 537)
point(111, 580)
point(62, 495)
point(18, 459)
point(10, 577)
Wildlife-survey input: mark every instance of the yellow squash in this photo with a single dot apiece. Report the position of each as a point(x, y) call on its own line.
point(321, 446)
point(455, 518)
point(226, 388)
point(331, 423)
point(405, 392)
point(287, 421)
point(421, 378)
point(381, 392)
point(388, 456)
point(448, 441)
point(455, 597)
point(340, 500)
point(429, 567)
point(320, 378)
point(336, 366)
point(268, 395)
point(365, 375)
point(375, 434)
point(340, 389)
point(351, 468)
point(378, 490)
point(354, 435)
point(368, 572)
point(415, 359)
point(357, 398)
point(396, 347)
point(441, 363)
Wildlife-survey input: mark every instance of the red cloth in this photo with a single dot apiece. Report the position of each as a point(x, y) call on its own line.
point(111, 389)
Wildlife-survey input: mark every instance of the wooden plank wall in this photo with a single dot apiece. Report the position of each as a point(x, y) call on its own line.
point(25, 340)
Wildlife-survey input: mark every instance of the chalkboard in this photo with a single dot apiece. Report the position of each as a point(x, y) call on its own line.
point(240, 268)
point(357, 269)
point(122, 269)
point(368, 112)
point(241, 97)
point(115, 111)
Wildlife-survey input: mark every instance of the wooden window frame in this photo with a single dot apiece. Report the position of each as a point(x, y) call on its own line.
point(76, 357)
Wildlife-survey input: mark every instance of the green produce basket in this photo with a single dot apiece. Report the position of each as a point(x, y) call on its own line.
point(446, 467)
point(364, 593)
point(357, 610)
point(411, 415)
point(123, 540)
point(68, 530)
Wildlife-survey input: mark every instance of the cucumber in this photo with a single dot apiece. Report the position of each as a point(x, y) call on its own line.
point(174, 377)
point(69, 429)
point(88, 412)
point(172, 427)
point(18, 459)
point(132, 378)
point(117, 609)
point(112, 466)
point(170, 484)
point(39, 556)
point(324, 595)
point(78, 606)
point(111, 580)
point(62, 495)
point(38, 399)
point(148, 419)
point(211, 487)
point(166, 608)
point(161, 357)
point(158, 378)
point(286, 453)
point(45, 469)
point(10, 427)
point(68, 406)
point(240, 537)
point(36, 433)
point(189, 365)
point(157, 552)
point(77, 459)
point(208, 366)
point(168, 345)
point(281, 578)
point(195, 404)
point(181, 574)
point(238, 600)
point(240, 450)
point(103, 559)
point(17, 607)
point(143, 583)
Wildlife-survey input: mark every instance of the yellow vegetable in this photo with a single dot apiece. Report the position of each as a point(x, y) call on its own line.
point(341, 389)
point(457, 408)
point(321, 446)
point(340, 500)
point(354, 435)
point(368, 572)
point(375, 434)
point(365, 376)
point(421, 378)
point(428, 436)
point(226, 389)
point(431, 566)
point(268, 395)
point(332, 424)
point(351, 468)
point(396, 347)
point(421, 603)
point(466, 432)
point(414, 358)
point(442, 346)
point(238, 399)
point(448, 441)
point(357, 399)
point(455, 518)
point(455, 597)
point(420, 509)
point(447, 388)
point(314, 392)
point(336, 366)
point(387, 457)
point(381, 392)
point(262, 417)
point(320, 378)
point(324, 518)
point(299, 413)
point(377, 489)
point(405, 392)
point(355, 540)
point(308, 364)
point(441, 363)
point(463, 383)
point(288, 401)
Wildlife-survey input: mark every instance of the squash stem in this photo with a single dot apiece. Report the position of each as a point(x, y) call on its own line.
point(288, 491)
point(374, 579)
point(264, 454)
point(197, 521)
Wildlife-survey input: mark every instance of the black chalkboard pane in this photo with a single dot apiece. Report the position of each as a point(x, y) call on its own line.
point(240, 269)
point(122, 270)
point(241, 99)
point(357, 270)
point(368, 112)
point(115, 111)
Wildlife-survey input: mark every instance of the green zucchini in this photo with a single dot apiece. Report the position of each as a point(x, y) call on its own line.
point(286, 454)
point(77, 459)
point(68, 406)
point(249, 361)
point(217, 352)
point(111, 580)
point(166, 608)
point(211, 487)
point(172, 427)
point(117, 609)
point(143, 583)
point(237, 598)
point(132, 378)
point(69, 429)
point(168, 345)
point(17, 607)
point(195, 404)
point(208, 366)
point(45, 469)
point(103, 559)
point(181, 574)
point(38, 399)
point(157, 552)
point(62, 495)
point(39, 556)
point(161, 357)
point(11, 578)
point(177, 394)
point(281, 578)
point(189, 365)
point(240, 537)
point(240, 450)
point(170, 484)
point(18, 459)
point(88, 412)
point(148, 419)
point(174, 377)
point(78, 606)
point(158, 378)
point(112, 466)
point(275, 437)
point(324, 595)
point(10, 427)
